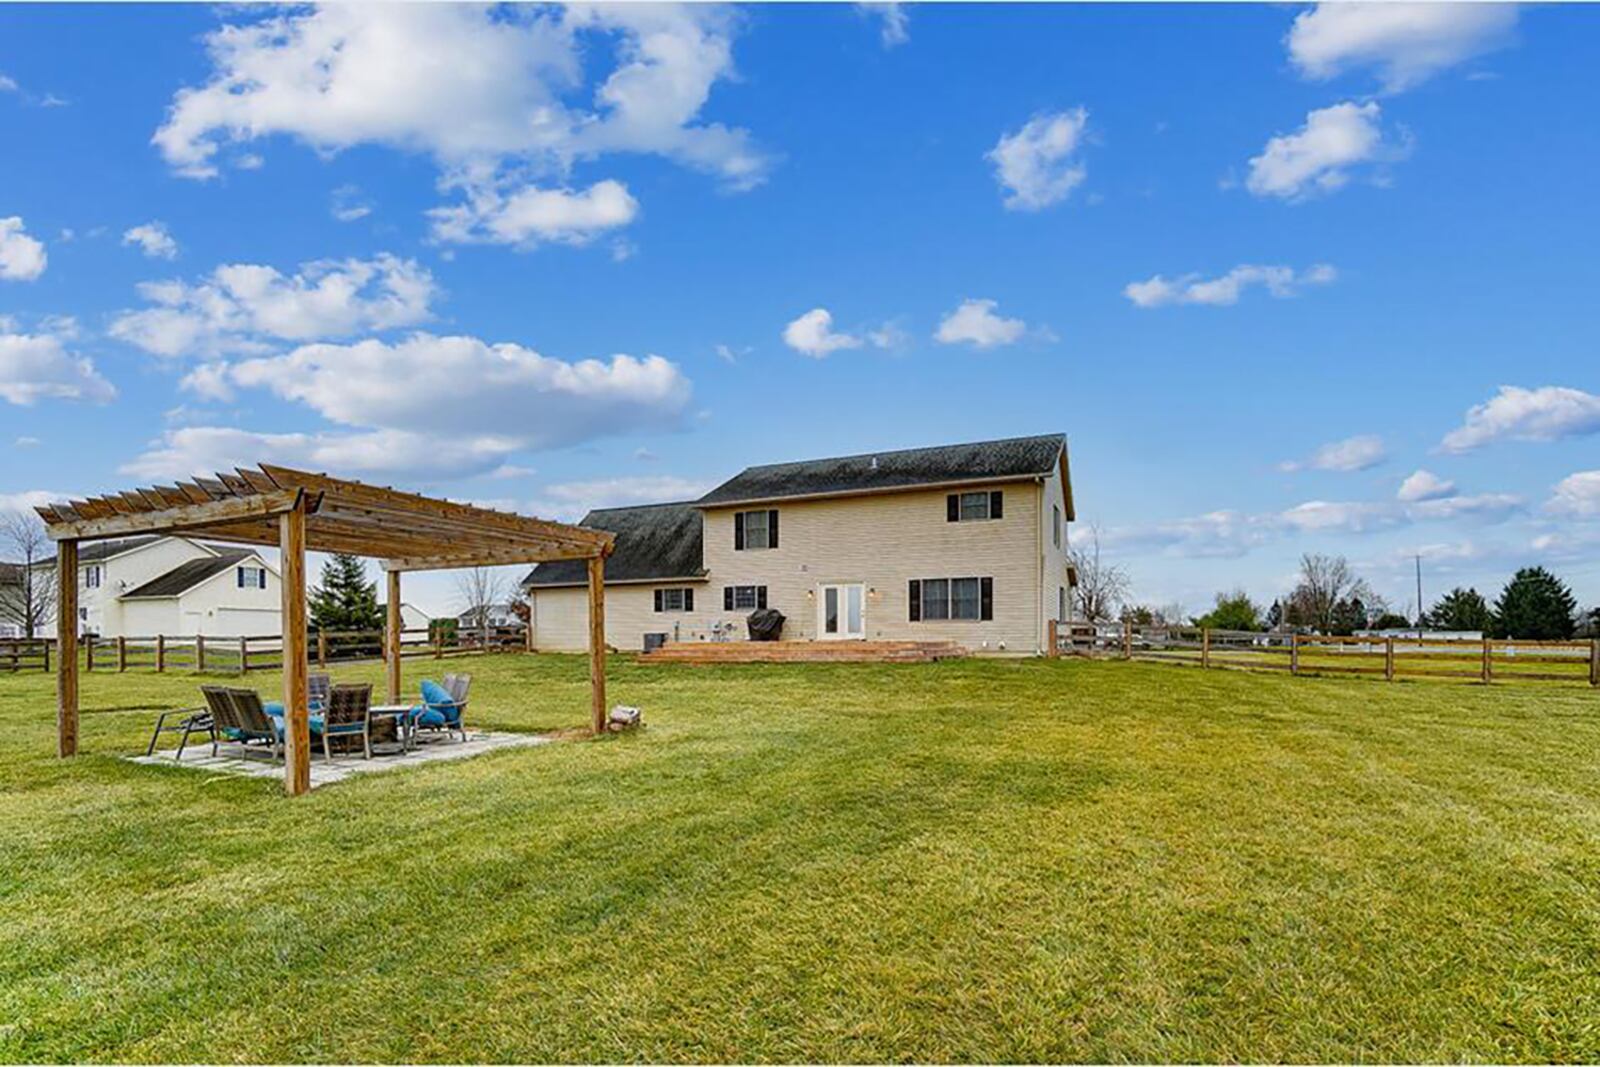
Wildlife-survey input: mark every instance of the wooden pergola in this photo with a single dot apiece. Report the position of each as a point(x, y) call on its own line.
point(298, 511)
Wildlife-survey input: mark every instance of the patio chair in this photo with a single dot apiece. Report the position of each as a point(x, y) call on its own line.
point(250, 721)
point(193, 721)
point(318, 686)
point(442, 707)
point(346, 714)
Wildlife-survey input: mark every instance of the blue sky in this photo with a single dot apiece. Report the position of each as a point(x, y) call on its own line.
point(1262, 264)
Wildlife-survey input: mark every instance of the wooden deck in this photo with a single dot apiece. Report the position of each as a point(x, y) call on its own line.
point(804, 652)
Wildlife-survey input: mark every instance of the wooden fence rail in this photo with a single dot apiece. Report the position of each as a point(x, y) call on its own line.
point(238, 655)
point(1486, 661)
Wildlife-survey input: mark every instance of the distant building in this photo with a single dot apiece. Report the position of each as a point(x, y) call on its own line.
point(495, 615)
point(143, 586)
point(411, 616)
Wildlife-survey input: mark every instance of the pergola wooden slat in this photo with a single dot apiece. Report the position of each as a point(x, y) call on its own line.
point(299, 511)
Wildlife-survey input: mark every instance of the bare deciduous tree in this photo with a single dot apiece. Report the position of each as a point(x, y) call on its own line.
point(1101, 585)
point(27, 587)
point(481, 590)
point(1325, 582)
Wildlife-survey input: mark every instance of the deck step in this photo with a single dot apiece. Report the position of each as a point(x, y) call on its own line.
point(804, 652)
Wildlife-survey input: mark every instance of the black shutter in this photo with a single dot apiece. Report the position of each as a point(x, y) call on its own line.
point(761, 596)
point(952, 508)
point(658, 600)
point(772, 528)
point(985, 599)
point(738, 531)
point(914, 597)
point(995, 497)
point(688, 600)
point(727, 598)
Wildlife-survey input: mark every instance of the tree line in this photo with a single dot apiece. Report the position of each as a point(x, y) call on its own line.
point(1330, 598)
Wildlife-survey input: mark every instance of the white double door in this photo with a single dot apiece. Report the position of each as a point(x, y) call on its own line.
point(841, 612)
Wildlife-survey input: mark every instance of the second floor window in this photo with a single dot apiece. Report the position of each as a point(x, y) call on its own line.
point(974, 507)
point(91, 577)
point(250, 577)
point(755, 529)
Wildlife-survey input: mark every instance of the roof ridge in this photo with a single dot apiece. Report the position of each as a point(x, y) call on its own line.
point(902, 451)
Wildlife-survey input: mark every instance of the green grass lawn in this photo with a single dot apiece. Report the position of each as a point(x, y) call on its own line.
point(967, 860)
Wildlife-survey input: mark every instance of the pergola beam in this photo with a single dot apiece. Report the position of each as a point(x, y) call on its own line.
point(183, 517)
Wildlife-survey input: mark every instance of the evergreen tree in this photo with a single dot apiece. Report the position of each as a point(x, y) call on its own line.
point(1349, 615)
point(1275, 616)
point(1536, 606)
point(345, 600)
point(1462, 609)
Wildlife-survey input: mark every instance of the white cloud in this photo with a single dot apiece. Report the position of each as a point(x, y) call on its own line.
point(480, 403)
point(26, 442)
point(1577, 496)
point(1485, 507)
point(29, 499)
point(22, 258)
point(1318, 157)
point(209, 381)
point(976, 323)
point(1357, 453)
point(9, 85)
point(346, 204)
point(1215, 535)
point(1405, 42)
point(1549, 413)
point(531, 216)
point(152, 239)
point(895, 29)
point(1037, 165)
point(487, 92)
point(571, 500)
point(1424, 485)
point(1338, 516)
point(182, 453)
point(812, 334)
point(241, 307)
point(1280, 282)
point(39, 366)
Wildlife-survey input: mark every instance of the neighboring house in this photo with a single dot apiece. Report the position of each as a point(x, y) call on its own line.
point(143, 586)
point(10, 583)
point(411, 616)
point(495, 615)
point(960, 542)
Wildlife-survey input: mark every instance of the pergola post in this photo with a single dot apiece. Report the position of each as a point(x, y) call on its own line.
point(597, 641)
point(391, 638)
point(296, 698)
point(67, 648)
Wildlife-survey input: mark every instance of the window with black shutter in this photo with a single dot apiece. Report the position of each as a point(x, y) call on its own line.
point(952, 508)
point(738, 531)
point(727, 598)
point(950, 599)
point(688, 600)
point(996, 500)
point(658, 599)
point(977, 506)
point(761, 596)
point(755, 529)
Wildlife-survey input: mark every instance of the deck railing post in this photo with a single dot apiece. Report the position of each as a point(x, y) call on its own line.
point(122, 654)
point(1388, 659)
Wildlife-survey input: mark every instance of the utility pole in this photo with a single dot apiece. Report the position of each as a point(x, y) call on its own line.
point(1420, 608)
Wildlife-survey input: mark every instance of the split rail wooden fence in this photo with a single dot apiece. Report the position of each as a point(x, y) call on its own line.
point(162, 652)
point(1486, 661)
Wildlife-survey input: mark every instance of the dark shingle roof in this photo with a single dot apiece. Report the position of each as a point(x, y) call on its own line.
point(1016, 457)
point(653, 541)
point(91, 551)
point(186, 576)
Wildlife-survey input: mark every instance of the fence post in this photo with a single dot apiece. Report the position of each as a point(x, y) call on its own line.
point(244, 654)
point(322, 649)
point(1205, 647)
point(1127, 638)
point(1388, 660)
point(47, 655)
point(122, 654)
point(438, 643)
point(88, 652)
point(1294, 653)
point(1488, 671)
point(1594, 661)
point(200, 652)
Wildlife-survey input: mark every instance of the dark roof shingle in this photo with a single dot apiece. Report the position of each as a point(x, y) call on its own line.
point(185, 576)
point(1016, 457)
point(654, 541)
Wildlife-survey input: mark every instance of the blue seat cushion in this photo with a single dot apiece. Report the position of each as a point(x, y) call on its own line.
point(438, 708)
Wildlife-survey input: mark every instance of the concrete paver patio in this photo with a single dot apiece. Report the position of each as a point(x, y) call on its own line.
point(343, 765)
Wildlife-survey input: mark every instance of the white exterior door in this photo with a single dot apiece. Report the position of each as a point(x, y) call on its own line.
point(841, 612)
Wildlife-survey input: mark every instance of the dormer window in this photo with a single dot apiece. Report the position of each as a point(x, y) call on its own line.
point(250, 577)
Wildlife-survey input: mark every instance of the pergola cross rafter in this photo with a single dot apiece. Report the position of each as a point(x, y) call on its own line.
point(298, 511)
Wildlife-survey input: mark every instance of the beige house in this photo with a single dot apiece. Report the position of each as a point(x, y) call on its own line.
point(143, 586)
point(966, 543)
